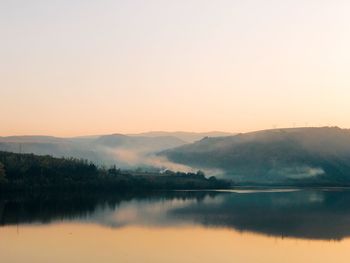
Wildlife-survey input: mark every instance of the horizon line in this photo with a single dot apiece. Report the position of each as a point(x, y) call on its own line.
point(164, 131)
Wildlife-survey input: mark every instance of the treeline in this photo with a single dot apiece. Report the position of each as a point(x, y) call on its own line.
point(31, 172)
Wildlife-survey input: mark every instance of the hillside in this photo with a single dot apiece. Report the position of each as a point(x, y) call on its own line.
point(126, 151)
point(122, 150)
point(288, 156)
point(32, 172)
point(140, 143)
point(188, 137)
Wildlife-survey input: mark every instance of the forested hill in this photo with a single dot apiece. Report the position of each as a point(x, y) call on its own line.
point(295, 156)
point(29, 171)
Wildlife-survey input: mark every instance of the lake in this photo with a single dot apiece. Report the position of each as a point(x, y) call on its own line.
point(291, 225)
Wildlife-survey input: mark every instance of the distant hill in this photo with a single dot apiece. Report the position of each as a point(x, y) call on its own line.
point(140, 143)
point(127, 151)
point(188, 137)
point(55, 146)
point(32, 139)
point(122, 150)
point(287, 156)
point(34, 172)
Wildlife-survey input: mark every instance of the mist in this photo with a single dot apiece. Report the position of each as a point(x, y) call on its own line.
point(124, 151)
point(294, 155)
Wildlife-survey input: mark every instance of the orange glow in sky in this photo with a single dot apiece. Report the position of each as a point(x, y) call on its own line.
point(92, 67)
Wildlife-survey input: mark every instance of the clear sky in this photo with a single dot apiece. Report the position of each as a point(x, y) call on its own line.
point(78, 67)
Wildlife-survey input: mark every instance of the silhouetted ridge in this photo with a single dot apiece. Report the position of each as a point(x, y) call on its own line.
point(279, 156)
point(32, 172)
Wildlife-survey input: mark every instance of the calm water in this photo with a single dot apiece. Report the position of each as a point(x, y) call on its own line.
point(237, 226)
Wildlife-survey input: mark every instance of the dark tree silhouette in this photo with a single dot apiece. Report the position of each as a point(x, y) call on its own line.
point(30, 172)
point(2, 174)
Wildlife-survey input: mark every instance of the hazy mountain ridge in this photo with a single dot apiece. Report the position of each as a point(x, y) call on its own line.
point(295, 155)
point(279, 156)
point(33, 139)
point(123, 150)
point(185, 136)
point(140, 142)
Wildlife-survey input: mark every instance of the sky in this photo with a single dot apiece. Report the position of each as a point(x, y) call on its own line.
point(81, 67)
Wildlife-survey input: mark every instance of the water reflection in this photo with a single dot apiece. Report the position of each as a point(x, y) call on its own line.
point(307, 214)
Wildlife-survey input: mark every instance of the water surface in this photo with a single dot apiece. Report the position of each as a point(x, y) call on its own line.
point(236, 226)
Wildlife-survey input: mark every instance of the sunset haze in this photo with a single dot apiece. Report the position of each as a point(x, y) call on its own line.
point(78, 67)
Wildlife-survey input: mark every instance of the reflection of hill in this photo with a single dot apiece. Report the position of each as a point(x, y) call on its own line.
point(303, 214)
point(45, 208)
point(308, 214)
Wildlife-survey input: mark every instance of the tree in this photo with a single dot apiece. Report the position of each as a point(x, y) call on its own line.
point(200, 174)
point(2, 173)
point(29, 171)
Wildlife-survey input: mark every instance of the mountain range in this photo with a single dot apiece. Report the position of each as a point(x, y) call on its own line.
point(278, 156)
point(127, 151)
point(292, 156)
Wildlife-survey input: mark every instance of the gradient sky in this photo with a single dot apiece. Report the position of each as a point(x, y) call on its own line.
point(78, 67)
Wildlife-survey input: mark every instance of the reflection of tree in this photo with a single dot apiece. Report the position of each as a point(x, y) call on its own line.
point(45, 208)
point(309, 214)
